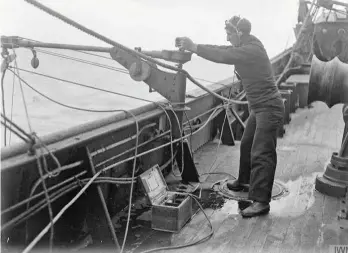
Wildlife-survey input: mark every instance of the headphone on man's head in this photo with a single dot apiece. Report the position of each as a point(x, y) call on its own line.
point(242, 26)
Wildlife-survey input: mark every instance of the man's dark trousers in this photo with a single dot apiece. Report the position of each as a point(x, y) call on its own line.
point(258, 156)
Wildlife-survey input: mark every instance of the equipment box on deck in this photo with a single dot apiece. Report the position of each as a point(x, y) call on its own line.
point(170, 211)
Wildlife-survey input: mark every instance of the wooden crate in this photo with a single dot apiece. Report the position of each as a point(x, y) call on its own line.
point(170, 211)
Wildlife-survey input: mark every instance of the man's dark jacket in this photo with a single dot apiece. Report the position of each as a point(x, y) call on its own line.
point(253, 65)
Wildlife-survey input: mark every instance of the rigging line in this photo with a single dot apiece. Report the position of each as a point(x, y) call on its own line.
point(85, 85)
point(97, 55)
point(33, 197)
point(82, 109)
point(45, 161)
point(132, 184)
point(222, 129)
point(47, 200)
point(40, 180)
point(12, 99)
point(83, 61)
point(24, 216)
point(131, 149)
point(124, 71)
point(97, 174)
point(191, 132)
point(135, 53)
point(16, 133)
point(55, 159)
point(296, 44)
point(3, 103)
point(108, 58)
point(73, 200)
point(120, 70)
point(8, 121)
point(68, 106)
point(103, 111)
point(158, 147)
point(22, 92)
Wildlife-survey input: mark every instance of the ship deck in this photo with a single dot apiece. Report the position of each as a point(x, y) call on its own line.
point(303, 220)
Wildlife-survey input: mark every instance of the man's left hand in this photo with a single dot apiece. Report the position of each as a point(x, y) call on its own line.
point(186, 44)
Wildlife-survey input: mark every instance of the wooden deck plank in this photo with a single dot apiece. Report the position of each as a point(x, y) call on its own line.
point(302, 221)
point(328, 229)
point(308, 160)
point(281, 221)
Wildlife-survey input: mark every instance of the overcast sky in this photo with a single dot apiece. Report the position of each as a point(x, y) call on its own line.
point(151, 24)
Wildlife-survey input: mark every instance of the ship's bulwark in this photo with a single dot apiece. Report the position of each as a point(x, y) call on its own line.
point(73, 148)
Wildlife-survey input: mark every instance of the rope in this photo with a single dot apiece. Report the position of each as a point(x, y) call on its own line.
point(16, 127)
point(3, 103)
point(117, 110)
point(12, 99)
point(55, 159)
point(296, 45)
point(56, 195)
point(33, 197)
point(72, 201)
point(22, 93)
point(15, 132)
point(31, 245)
point(83, 61)
point(68, 106)
point(130, 51)
point(124, 71)
point(85, 85)
point(47, 200)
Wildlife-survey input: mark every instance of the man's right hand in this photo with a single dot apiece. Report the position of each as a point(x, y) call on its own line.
point(186, 44)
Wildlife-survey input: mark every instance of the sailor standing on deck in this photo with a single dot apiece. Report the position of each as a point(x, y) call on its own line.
point(258, 156)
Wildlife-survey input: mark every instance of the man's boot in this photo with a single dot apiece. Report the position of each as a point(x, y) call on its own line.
point(256, 209)
point(235, 185)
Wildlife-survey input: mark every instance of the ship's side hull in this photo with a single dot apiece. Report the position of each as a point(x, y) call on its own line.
point(93, 145)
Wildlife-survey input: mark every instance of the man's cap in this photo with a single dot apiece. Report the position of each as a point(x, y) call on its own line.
point(240, 24)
